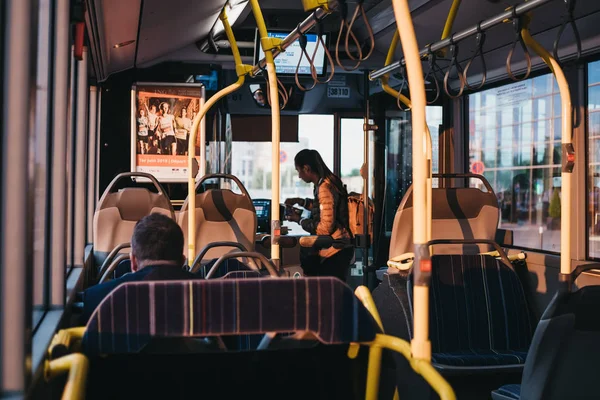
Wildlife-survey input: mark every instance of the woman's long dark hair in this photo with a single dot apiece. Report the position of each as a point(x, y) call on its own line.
point(313, 159)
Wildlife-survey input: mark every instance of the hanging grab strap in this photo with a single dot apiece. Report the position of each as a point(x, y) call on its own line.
point(454, 63)
point(404, 84)
point(432, 73)
point(360, 10)
point(321, 42)
point(302, 40)
point(568, 20)
point(343, 10)
point(480, 40)
point(285, 95)
point(517, 24)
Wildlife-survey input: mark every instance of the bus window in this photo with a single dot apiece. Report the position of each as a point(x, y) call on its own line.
point(352, 154)
point(399, 157)
point(514, 141)
point(251, 161)
point(593, 217)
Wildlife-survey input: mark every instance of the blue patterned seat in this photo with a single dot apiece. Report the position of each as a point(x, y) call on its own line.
point(137, 312)
point(479, 317)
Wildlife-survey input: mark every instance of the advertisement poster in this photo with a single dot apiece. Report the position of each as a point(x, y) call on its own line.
point(161, 125)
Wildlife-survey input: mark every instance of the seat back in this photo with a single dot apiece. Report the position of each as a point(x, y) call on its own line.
point(137, 312)
point(477, 303)
point(117, 213)
point(457, 213)
point(221, 216)
point(562, 362)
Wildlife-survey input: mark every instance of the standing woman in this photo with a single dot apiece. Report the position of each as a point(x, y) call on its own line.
point(329, 216)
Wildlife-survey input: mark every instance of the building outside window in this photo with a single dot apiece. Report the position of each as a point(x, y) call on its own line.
point(515, 142)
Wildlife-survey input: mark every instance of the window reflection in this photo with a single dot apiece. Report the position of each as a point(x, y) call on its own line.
point(593, 184)
point(519, 149)
point(399, 157)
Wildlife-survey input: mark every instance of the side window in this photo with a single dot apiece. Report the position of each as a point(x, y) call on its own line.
point(514, 141)
point(399, 157)
point(40, 159)
point(593, 203)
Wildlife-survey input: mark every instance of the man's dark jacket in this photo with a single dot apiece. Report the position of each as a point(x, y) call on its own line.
point(92, 296)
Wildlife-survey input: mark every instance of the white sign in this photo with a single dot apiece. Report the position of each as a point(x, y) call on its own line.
point(338, 92)
point(513, 94)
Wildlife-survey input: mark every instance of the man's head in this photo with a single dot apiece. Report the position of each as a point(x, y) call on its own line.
point(156, 240)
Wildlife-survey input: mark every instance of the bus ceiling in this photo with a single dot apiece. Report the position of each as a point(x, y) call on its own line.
point(124, 35)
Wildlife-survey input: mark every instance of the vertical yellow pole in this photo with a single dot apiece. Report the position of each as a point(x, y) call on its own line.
point(450, 20)
point(266, 44)
point(202, 164)
point(406, 101)
point(567, 133)
point(204, 107)
point(421, 347)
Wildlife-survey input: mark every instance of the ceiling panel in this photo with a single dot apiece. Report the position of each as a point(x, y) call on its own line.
point(111, 22)
point(170, 25)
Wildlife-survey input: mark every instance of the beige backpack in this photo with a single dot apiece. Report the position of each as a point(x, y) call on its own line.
point(356, 209)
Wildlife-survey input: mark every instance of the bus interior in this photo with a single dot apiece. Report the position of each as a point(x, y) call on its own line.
point(473, 182)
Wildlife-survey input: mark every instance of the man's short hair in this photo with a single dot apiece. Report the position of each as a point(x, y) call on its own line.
point(157, 237)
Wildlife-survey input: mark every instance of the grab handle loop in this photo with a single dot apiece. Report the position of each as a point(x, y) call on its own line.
point(432, 73)
point(568, 19)
point(321, 42)
point(283, 93)
point(404, 84)
point(343, 10)
point(454, 64)
point(302, 40)
point(480, 40)
point(360, 9)
point(517, 25)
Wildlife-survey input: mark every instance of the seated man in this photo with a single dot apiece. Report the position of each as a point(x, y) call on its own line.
point(156, 254)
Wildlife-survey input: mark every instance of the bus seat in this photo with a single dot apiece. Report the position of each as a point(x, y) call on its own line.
point(479, 317)
point(221, 215)
point(226, 267)
point(117, 213)
point(242, 275)
point(562, 361)
point(121, 340)
point(136, 312)
point(457, 213)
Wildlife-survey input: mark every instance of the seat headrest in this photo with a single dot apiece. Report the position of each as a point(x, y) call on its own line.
point(220, 204)
point(453, 203)
point(135, 203)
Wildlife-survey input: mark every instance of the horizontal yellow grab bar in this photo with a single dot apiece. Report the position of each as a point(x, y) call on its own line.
point(77, 365)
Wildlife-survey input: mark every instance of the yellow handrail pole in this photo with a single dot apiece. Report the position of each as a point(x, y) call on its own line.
point(450, 22)
point(385, 78)
point(567, 132)
point(406, 101)
point(364, 295)
point(202, 166)
point(267, 43)
point(421, 347)
point(241, 70)
point(77, 365)
point(65, 338)
point(422, 367)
